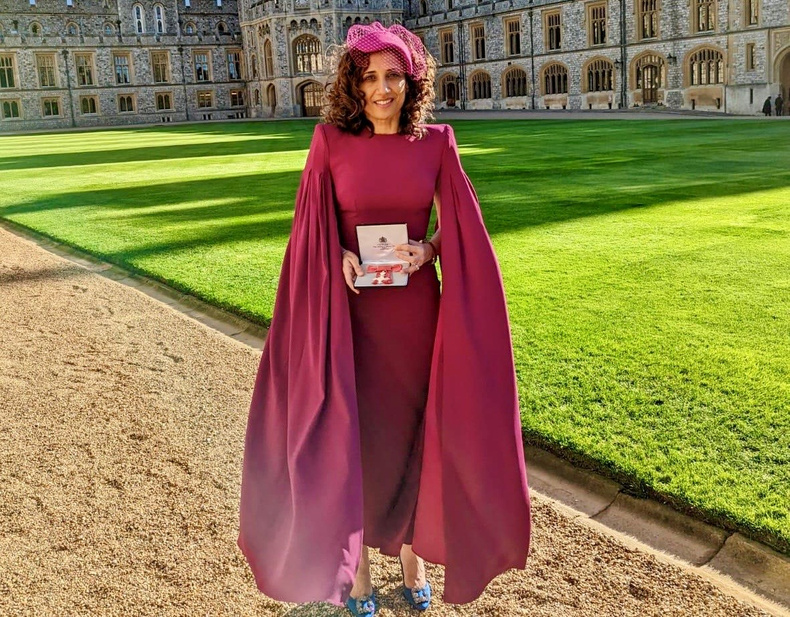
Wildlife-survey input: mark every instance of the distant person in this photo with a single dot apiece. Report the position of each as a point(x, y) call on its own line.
point(767, 106)
point(779, 104)
point(384, 417)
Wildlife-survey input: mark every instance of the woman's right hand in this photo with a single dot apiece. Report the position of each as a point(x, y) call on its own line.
point(351, 269)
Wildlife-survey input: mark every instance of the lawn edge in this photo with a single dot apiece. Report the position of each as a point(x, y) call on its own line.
point(72, 248)
point(636, 487)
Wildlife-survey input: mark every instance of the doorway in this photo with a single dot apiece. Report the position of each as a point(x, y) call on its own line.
point(311, 94)
point(784, 77)
point(650, 83)
point(271, 98)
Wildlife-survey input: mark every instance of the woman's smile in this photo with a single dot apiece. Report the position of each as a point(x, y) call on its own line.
point(384, 86)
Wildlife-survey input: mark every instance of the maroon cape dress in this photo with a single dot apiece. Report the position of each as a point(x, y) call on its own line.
point(388, 417)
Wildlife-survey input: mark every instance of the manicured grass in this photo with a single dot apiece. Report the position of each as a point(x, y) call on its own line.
point(647, 265)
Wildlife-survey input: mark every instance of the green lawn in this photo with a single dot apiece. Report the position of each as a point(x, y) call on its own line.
point(647, 265)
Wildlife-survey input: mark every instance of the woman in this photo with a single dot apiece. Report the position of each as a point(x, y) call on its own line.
point(389, 416)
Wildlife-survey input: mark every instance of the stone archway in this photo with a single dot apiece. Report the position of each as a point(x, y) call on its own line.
point(310, 97)
point(784, 76)
point(271, 98)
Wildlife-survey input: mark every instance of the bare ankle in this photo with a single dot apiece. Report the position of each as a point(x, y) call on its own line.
point(413, 567)
point(363, 583)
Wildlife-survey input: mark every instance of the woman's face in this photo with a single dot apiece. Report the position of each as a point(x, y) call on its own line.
point(384, 87)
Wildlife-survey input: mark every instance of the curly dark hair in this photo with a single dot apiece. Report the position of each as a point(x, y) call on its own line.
point(345, 102)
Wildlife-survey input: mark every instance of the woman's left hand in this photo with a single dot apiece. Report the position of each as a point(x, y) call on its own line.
point(417, 254)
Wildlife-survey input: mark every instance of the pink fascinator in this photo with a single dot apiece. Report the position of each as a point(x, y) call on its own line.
point(406, 48)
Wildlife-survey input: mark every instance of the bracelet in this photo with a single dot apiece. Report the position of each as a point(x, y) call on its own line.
point(435, 250)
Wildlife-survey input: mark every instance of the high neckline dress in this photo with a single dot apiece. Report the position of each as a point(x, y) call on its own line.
point(393, 328)
point(391, 416)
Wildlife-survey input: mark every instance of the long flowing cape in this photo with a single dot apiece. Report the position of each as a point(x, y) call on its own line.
point(301, 495)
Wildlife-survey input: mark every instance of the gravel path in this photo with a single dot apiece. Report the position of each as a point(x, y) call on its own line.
point(121, 433)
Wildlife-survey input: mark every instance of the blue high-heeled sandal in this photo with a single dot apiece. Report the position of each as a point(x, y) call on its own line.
point(419, 598)
point(362, 607)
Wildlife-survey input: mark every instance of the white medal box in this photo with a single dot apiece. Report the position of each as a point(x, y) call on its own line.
point(381, 266)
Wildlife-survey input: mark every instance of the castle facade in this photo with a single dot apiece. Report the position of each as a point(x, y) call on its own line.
point(114, 62)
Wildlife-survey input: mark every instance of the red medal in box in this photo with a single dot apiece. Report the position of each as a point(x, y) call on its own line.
point(381, 266)
point(383, 273)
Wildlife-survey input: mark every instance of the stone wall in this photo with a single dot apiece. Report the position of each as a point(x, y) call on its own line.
point(674, 48)
point(104, 27)
point(103, 30)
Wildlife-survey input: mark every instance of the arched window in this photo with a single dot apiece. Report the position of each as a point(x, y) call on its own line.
point(254, 65)
point(257, 97)
point(221, 28)
point(481, 85)
point(706, 66)
point(125, 103)
point(159, 16)
point(164, 101)
point(88, 105)
point(35, 29)
point(515, 82)
point(555, 79)
point(307, 54)
point(109, 29)
point(189, 28)
point(72, 29)
point(448, 89)
point(599, 76)
point(271, 96)
point(268, 60)
point(423, 7)
point(10, 109)
point(139, 18)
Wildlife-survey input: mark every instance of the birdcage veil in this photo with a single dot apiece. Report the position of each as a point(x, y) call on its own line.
point(402, 48)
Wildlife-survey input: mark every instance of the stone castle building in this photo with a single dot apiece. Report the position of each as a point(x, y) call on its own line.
point(112, 62)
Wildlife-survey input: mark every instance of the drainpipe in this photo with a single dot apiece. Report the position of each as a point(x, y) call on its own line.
point(461, 65)
point(623, 64)
point(532, 54)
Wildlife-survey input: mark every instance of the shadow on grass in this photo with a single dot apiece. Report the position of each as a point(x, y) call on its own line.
point(242, 195)
point(513, 197)
point(278, 229)
point(583, 170)
point(260, 144)
point(160, 219)
point(614, 167)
